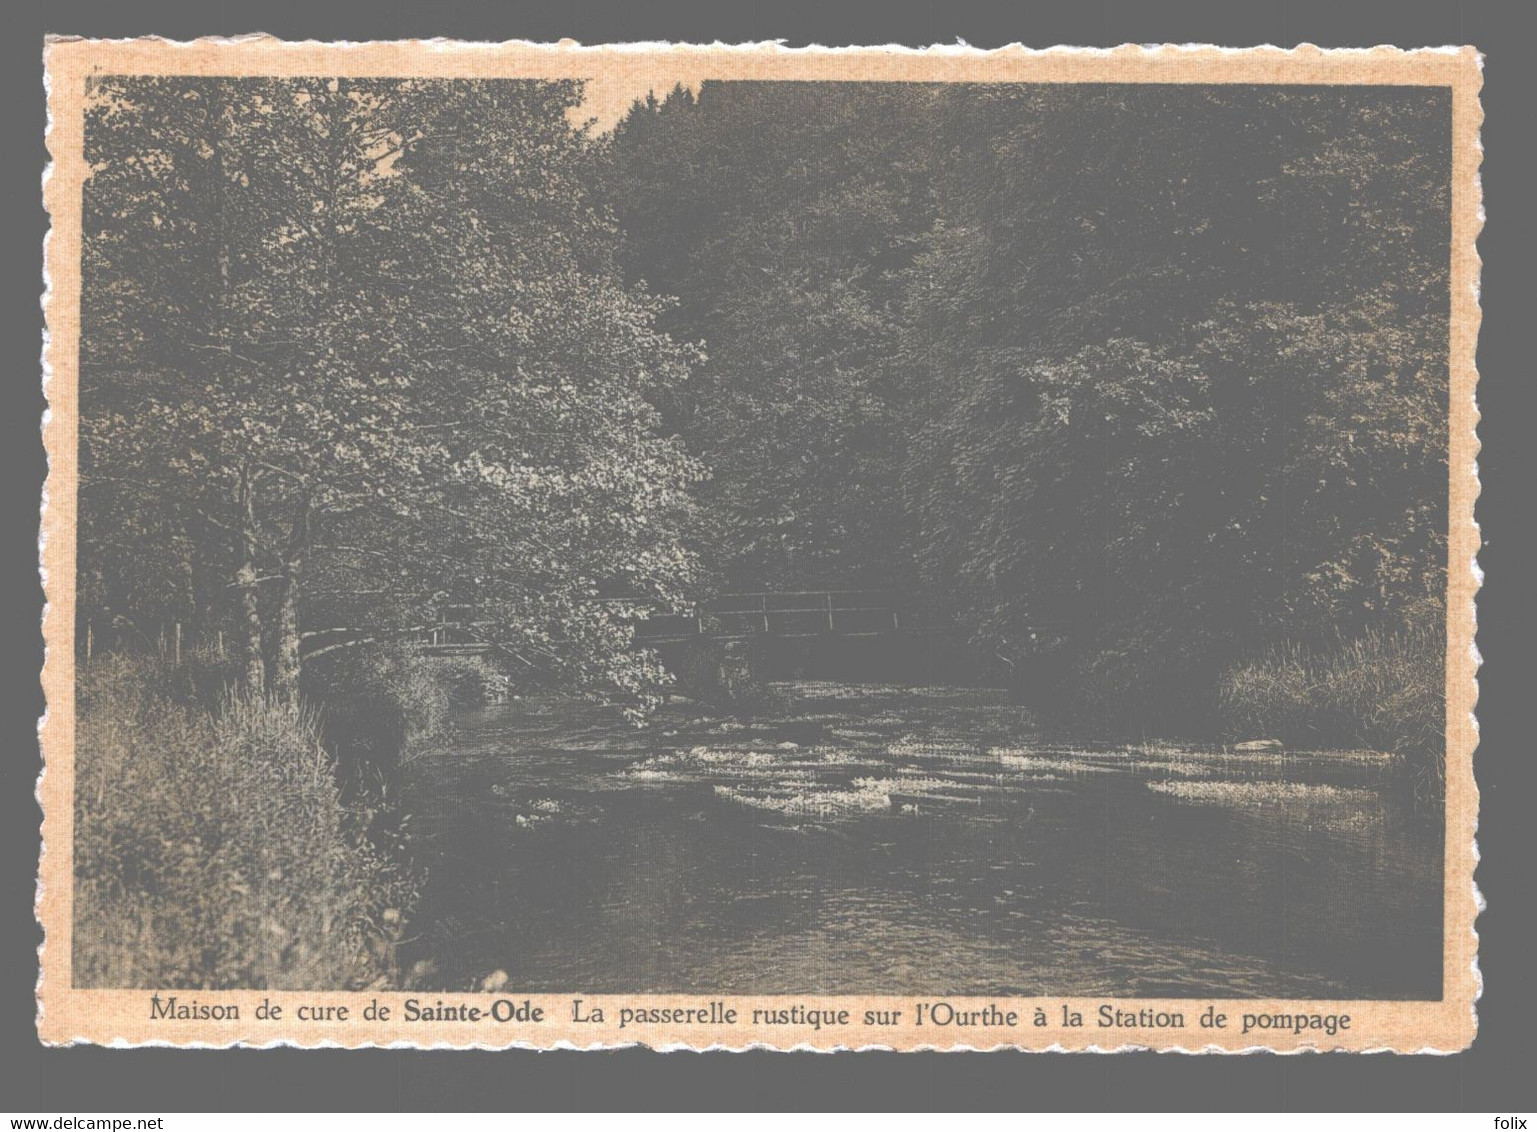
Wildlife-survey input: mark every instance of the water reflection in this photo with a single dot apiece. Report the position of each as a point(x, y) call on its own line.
point(911, 841)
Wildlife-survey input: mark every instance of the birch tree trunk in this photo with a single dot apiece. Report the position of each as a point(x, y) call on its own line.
point(248, 609)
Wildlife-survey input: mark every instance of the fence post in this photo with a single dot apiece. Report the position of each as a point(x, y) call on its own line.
point(830, 612)
point(178, 644)
point(89, 641)
point(764, 600)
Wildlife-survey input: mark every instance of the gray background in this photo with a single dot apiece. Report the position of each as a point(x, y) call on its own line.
point(1494, 1076)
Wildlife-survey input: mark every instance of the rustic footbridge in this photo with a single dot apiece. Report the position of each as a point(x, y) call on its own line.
point(728, 617)
point(735, 617)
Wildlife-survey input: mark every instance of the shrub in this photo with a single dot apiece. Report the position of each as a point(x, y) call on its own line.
point(470, 681)
point(379, 703)
point(1384, 690)
point(212, 849)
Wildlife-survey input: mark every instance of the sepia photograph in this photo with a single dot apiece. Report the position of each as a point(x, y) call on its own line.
point(730, 546)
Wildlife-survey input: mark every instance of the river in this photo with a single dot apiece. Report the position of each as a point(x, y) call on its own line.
point(876, 838)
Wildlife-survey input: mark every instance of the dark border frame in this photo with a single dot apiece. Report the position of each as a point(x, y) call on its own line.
point(1494, 1075)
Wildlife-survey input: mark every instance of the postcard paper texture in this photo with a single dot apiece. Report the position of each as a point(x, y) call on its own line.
point(735, 546)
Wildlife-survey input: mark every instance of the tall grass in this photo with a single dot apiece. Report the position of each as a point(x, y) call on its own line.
point(1383, 690)
point(212, 847)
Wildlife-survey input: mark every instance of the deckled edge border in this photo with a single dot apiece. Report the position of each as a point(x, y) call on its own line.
point(777, 47)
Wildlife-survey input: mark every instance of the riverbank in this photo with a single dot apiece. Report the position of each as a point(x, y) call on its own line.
point(1381, 690)
point(248, 842)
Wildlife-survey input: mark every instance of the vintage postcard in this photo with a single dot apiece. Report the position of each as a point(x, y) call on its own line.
point(723, 546)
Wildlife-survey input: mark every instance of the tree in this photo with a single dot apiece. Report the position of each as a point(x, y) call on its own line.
point(380, 363)
point(1188, 397)
point(781, 216)
point(1163, 363)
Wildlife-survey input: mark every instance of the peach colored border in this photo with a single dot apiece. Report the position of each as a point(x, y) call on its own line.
point(122, 1017)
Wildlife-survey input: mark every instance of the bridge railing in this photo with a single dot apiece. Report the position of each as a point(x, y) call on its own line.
point(779, 613)
point(794, 613)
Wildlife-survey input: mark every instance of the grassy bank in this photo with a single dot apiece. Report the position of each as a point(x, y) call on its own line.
point(1383, 690)
point(217, 844)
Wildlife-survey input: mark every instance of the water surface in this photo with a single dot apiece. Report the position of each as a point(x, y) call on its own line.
point(871, 838)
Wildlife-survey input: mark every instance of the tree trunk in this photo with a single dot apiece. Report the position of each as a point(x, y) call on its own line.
point(285, 641)
point(250, 627)
point(249, 611)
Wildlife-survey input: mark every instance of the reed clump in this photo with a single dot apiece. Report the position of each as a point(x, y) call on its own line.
point(1384, 690)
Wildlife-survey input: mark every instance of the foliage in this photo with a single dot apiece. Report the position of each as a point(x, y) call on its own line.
point(1183, 399)
point(343, 362)
point(781, 216)
point(1164, 366)
point(383, 704)
point(1059, 356)
point(380, 704)
point(213, 850)
point(470, 681)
